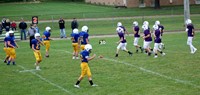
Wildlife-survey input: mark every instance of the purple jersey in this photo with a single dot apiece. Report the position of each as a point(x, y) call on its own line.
point(123, 28)
point(161, 28)
point(147, 32)
point(157, 36)
point(190, 27)
point(136, 29)
point(121, 36)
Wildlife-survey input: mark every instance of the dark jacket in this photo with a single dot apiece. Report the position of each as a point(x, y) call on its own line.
point(22, 25)
point(74, 24)
point(61, 24)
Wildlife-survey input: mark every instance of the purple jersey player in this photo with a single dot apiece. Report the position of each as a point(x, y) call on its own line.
point(190, 33)
point(157, 41)
point(122, 42)
point(136, 30)
point(147, 39)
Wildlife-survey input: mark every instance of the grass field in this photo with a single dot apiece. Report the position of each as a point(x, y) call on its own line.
point(67, 10)
point(177, 73)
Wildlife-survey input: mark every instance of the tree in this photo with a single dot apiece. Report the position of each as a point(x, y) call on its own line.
point(157, 4)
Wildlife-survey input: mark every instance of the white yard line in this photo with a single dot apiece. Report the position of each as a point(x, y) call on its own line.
point(146, 70)
point(44, 79)
point(32, 71)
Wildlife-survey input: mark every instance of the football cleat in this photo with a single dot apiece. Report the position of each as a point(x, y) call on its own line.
point(76, 86)
point(94, 85)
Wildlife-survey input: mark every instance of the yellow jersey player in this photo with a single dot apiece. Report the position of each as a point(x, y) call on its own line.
point(75, 43)
point(11, 47)
point(6, 47)
point(36, 49)
point(85, 70)
point(46, 37)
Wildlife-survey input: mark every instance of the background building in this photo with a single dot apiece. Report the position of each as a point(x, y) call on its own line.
point(139, 3)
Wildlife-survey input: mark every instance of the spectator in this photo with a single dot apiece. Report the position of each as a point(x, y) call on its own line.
point(36, 28)
point(31, 33)
point(13, 26)
point(1, 28)
point(22, 27)
point(4, 22)
point(7, 25)
point(62, 28)
point(74, 24)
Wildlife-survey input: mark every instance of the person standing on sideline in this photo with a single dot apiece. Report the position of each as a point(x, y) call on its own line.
point(36, 42)
point(36, 28)
point(13, 26)
point(31, 33)
point(191, 33)
point(46, 37)
point(62, 28)
point(74, 24)
point(85, 69)
point(7, 25)
point(4, 22)
point(22, 27)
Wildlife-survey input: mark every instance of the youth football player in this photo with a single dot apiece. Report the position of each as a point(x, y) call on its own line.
point(12, 44)
point(119, 24)
point(147, 39)
point(136, 31)
point(85, 69)
point(84, 37)
point(190, 32)
point(36, 49)
point(161, 28)
point(157, 41)
point(122, 42)
point(75, 43)
point(6, 47)
point(47, 37)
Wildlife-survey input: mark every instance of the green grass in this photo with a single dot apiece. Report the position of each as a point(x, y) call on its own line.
point(179, 70)
point(69, 10)
point(109, 26)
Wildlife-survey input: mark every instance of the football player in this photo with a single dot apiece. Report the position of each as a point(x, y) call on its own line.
point(6, 47)
point(84, 37)
point(75, 43)
point(85, 69)
point(136, 31)
point(12, 44)
point(36, 49)
point(190, 32)
point(161, 28)
point(47, 37)
point(122, 41)
point(147, 39)
point(157, 41)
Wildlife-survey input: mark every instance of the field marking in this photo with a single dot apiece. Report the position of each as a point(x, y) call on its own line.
point(46, 80)
point(32, 71)
point(147, 71)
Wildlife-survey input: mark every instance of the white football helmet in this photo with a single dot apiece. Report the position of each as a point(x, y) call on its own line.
point(189, 21)
point(145, 27)
point(88, 47)
point(10, 32)
point(37, 35)
point(146, 23)
point(155, 27)
point(7, 34)
point(84, 29)
point(48, 28)
point(75, 31)
point(135, 23)
point(157, 22)
point(119, 24)
point(120, 30)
